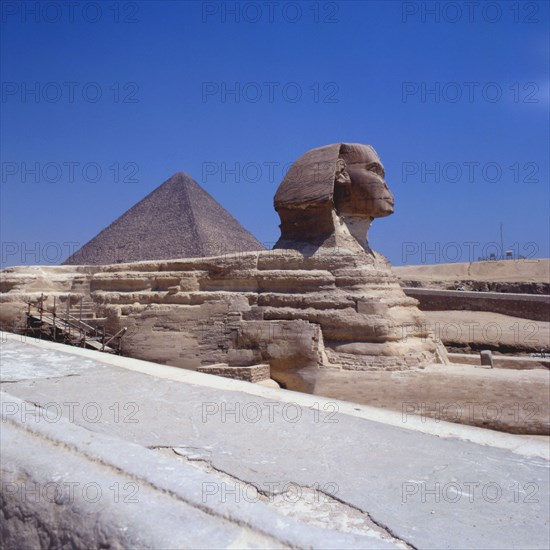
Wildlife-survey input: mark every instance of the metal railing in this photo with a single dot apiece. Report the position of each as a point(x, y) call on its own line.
point(70, 327)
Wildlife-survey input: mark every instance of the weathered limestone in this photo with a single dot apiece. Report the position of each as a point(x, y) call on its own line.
point(245, 310)
point(319, 300)
point(518, 276)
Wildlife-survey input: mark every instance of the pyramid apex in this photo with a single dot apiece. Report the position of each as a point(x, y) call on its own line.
point(178, 176)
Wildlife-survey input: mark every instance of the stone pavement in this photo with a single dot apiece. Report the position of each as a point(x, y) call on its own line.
point(98, 450)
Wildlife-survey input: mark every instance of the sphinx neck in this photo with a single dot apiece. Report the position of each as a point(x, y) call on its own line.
point(359, 229)
point(316, 228)
point(352, 232)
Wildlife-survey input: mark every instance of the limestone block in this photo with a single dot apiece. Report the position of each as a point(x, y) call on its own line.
point(124, 282)
point(252, 373)
point(371, 307)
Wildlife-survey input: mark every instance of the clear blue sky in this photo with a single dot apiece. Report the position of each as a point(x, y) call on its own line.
point(465, 94)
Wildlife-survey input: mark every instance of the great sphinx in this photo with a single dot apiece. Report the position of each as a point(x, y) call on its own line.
point(321, 299)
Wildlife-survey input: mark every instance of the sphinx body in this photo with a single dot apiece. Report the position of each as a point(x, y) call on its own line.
point(322, 299)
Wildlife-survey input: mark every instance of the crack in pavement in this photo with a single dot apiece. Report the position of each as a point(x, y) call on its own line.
point(311, 511)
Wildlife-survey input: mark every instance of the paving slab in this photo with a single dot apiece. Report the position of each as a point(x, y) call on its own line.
point(377, 481)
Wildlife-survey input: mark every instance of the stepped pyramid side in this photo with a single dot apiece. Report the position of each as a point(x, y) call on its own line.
point(179, 219)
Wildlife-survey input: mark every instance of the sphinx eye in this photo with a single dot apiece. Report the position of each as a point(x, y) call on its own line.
point(377, 169)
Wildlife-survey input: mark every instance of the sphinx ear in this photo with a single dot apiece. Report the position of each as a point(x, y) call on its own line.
point(341, 176)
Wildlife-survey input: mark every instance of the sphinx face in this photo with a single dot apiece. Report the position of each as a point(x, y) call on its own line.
point(365, 194)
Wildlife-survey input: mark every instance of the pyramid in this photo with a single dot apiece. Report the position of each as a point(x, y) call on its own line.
point(178, 219)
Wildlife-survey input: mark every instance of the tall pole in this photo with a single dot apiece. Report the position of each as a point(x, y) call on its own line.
point(54, 322)
point(68, 327)
point(501, 243)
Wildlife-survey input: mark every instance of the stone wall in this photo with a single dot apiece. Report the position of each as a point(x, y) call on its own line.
point(525, 306)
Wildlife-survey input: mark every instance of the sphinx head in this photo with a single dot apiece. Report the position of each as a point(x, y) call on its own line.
point(335, 190)
point(360, 189)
